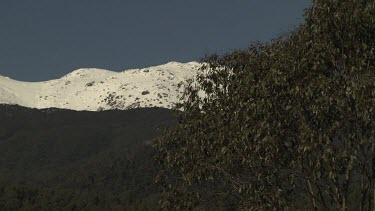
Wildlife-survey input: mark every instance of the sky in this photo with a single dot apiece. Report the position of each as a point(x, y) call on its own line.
point(46, 39)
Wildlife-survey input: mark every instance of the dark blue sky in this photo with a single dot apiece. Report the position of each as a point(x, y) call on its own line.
point(46, 39)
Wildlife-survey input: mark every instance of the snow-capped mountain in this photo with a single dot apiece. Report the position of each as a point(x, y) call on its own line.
point(97, 89)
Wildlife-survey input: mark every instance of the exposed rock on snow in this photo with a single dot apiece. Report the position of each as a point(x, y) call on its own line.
point(97, 89)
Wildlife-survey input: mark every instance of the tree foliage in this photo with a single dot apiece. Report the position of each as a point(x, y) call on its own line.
point(286, 124)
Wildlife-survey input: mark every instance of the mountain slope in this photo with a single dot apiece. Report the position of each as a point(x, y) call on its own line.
point(97, 89)
point(79, 156)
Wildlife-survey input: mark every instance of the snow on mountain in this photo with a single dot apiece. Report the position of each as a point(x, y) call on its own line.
point(97, 89)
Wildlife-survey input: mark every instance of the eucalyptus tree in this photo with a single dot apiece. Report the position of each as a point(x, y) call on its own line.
point(281, 125)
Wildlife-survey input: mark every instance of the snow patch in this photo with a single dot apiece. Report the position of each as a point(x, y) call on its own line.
point(99, 89)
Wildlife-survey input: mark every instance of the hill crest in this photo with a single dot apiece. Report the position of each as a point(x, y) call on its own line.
point(96, 89)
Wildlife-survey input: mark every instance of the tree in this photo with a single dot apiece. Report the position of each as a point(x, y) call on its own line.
point(286, 124)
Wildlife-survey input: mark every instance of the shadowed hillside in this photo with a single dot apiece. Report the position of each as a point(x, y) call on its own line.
point(80, 157)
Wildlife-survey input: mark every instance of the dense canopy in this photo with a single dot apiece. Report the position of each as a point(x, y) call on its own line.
point(286, 124)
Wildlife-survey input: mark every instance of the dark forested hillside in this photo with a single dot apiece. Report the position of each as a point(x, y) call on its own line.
point(62, 159)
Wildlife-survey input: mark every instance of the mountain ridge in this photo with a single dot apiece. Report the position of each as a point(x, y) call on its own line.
point(95, 89)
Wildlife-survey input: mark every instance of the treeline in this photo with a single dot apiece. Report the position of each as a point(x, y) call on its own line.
point(29, 197)
point(66, 160)
point(118, 184)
